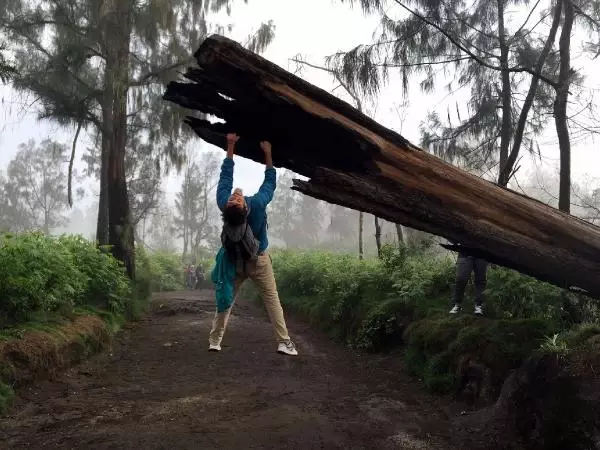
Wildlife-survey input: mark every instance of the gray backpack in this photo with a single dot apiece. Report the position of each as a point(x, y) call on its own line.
point(239, 242)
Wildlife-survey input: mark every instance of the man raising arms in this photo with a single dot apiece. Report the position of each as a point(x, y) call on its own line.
point(244, 255)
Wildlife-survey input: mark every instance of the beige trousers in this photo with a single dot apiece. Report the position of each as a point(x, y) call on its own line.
point(261, 273)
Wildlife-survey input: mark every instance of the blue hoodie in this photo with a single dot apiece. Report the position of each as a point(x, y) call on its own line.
point(223, 275)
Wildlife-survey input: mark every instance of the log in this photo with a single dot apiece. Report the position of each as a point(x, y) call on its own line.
point(353, 161)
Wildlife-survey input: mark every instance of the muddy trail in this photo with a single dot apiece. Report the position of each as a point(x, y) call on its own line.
point(158, 387)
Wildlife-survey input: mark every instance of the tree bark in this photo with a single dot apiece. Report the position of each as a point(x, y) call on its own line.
point(506, 129)
point(400, 234)
point(107, 27)
point(120, 229)
point(360, 164)
point(560, 107)
point(361, 221)
point(378, 236)
point(102, 221)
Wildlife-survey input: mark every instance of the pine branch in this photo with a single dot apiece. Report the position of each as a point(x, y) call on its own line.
point(337, 76)
point(472, 55)
point(526, 19)
point(6, 72)
point(425, 63)
point(595, 23)
point(158, 72)
point(43, 50)
point(19, 28)
point(474, 28)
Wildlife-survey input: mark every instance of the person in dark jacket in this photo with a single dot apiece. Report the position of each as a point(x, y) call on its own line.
point(199, 275)
point(465, 265)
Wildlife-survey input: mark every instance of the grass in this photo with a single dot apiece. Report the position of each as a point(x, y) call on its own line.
point(50, 342)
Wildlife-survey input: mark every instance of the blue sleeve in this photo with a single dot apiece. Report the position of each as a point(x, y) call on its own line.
point(225, 183)
point(265, 194)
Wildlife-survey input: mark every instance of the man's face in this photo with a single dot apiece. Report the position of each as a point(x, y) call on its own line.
point(237, 199)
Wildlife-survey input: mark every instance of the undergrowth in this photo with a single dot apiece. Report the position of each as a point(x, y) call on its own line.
point(60, 291)
point(160, 271)
point(44, 275)
point(403, 298)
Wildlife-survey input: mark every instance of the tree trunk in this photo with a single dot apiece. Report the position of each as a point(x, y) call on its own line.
point(107, 26)
point(102, 221)
point(185, 234)
point(506, 129)
point(400, 234)
point(120, 229)
point(185, 245)
point(143, 234)
point(378, 236)
point(528, 103)
point(560, 108)
point(361, 222)
point(46, 226)
point(360, 164)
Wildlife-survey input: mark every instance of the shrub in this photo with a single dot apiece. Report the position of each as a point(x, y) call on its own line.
point(425, 282)
point(162, 271)
point(106, 283)
point(384, 325)
point(38, 274)
point(42, 274)
point(437, 345)
point(403, 298)
point(581, 334)
point(332, 290)
point(513, 295)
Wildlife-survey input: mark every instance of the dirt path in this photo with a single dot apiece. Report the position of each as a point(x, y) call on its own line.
point(159, 388)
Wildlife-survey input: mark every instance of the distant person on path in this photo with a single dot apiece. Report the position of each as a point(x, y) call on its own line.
point(199, 275)
point(189, 277)
point(192, 274)
point(243, 254)
point(186, 276)
point(466, 264)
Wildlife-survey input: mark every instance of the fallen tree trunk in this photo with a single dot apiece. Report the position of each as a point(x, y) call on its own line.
point(355, 162)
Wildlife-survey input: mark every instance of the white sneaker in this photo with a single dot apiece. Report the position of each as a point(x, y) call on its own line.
point(287, 348)
point(455, 309)
point(478, 310)
point(214, 348)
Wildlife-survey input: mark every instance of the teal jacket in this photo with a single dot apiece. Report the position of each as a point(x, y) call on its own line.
point(223, 275)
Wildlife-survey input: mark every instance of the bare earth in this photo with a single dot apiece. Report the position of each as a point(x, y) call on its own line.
point(159, 388)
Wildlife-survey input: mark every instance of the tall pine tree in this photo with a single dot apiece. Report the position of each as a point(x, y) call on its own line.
point(102, 64)
point(478, 47)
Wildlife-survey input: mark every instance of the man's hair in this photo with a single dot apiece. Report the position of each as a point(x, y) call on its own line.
point(234, 216)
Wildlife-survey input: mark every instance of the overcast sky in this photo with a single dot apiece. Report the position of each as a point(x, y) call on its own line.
point(314, 29)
